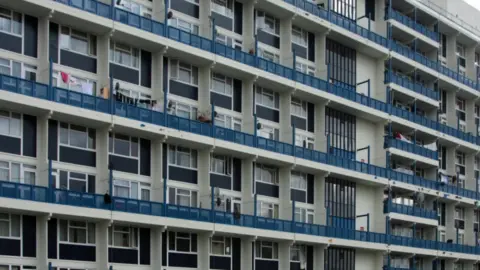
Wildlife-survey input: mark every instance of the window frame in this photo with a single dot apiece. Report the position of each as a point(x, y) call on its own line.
point(133, 52)
point(192, 196)
point(307, 215)
point(89, 229)
point(175, 107)
point(227, 11)
point(227, 165)
point(226, 80)
point(111, 145)
point(194, 26)
point(299, 249)
point(223, 240)
point(260, 245)
point(259, 171)
point(90, 39)
point(192, 249)
point(13, 21)
point(176, 66)
point(133, 236)
point(303, 36)
point(144, 11)
point(11, 232)
point(273, 132)
point(298, 103)
point(9, 118)
point(192, 153)
point(300, 176)
point(235, 122)
point(262, 92)
point(269, 207)
point(141, 186)
point(264, 16)
point(88, 147)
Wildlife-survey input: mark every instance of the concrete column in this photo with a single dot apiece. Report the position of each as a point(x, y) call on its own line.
point(427, 263)
point(450, 231)
point(285, 207)
point(42, 242)
point(379, 26)
point(204, 179)
point(103, 67)
point(248, 204)
point(469, 234)
point(320, 138)
point(248, 26)
point(451, 152)
point(286, 54)
point(284, 255)
point(320, 61)
point(449, 264)
point(203, 250)
point(248, 94)
point(101, 240)
point(204, 78)
point(470, 116)
point(158, 10)
point(285, 117)
point(451, 109)
point(470, 68)
point(319, 257)
point(452, 52)
point(470, 181)
point(377, 84)
point(42, 150)
point(377, 217)
point(205, 23)
point(378, 155)
point(157, 77)
point(156, 250)
point(319, 194)
point(157, 171)
point(247, 253)
point(102, 161)
point(43, 49)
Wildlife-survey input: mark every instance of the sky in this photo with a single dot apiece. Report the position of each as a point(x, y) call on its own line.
point(474, 3)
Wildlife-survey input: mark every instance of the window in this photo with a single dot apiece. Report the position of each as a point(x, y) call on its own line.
point(183, 72)
point(77, 136)
point(267, 98)
point(267, 210)
point(460, 106)
point(131, 189)
point(183, 197)
point(304, 68)
point(229, 122)
point(268, 132)
point(10, 124)
point(298, 108)
point(75, 83)
point(459, 213)
point(297, 253)
point(9, 225)
point(182, 242)
point(78, 41)
point(266, 174)
point(221, 165)
point(135, 8)
point(346, 8)
point(340, 128)
point(74, 181)
point(16, 172)
point(78, 232)
point(222, 84)
point(184, 25)
point(298, 180)
point(342, 62)
point(223, 39)
point(299, 36)
point(17, 69)
point(123, 145)
point(220, 245)
point(270, 56)
point(304, 141)
point(10, 21)
point(182, 156)
point(133, 97)
point(461, 55)
point(223, 7)
point(123, 236)
point(304, 215)
point(267, 23)
point(182, 110)
point(124, 55)
point(266, 250)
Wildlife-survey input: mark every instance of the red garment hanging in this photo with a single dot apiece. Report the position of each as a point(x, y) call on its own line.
point(64, 76)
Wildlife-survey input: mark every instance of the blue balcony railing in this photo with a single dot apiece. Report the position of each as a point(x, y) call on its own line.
point(412, 242)
point(409, 210)
point(91, 6)
point(391, 77)
point(412, 148)
point(403, 19)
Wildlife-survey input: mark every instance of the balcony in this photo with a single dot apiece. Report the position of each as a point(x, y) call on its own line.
point(391, 77)
point(411, 148)
point(389, 206)
point(407, 21)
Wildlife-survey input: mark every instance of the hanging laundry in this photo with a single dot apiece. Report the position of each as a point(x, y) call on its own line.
point(105, 92)
point(64, 76)
point(72, 80)
point(399, 136)
point(156, 106)
point(87, 88)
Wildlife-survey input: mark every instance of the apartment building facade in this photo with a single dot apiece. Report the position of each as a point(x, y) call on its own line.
point(239, 135)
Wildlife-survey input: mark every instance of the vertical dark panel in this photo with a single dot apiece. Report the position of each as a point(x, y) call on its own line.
point(309, 257)
point(145, 157)
point(310, 117)
point(52, 139)
point(164, 160)
point(340, 201)
point(370, 9)
point(165, 74)
point(29, 135)
point(52, 238)
point(91, 184)
point(144, 246)
point(342, 64)
point(29, 236)
point(146, 69)
point(237, 174)
point(311, 47)
point(238, 18)
point(30, 41)
point(236, 254)
point(237, 95)
point(310, 188)
point(53, 40)
point(164, 248)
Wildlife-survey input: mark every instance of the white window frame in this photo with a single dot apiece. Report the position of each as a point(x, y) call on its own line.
point(88, 147)
point(269, 55)
point(299, 36)
point(259, 245)
point(132, 236)
point(297, 105)
point(298, 181)
point(192, 196)
point(261, 23)
point(176, 150)
point(228, 121)
point(192, 249)
point(259, 174)
point(223, 7)
point(308, 139)
point(306, 215)
point(14, 18)
point(134, 55)
point(181, 23)
point(13, 233)
point(135, 8)
point(305, 68)
point(133, 152)
point(15, 124)
point(176, 66)
point(17, 69)
point(66, 36)
point(58, 181)
point(229, 41)
point(222, 79)
point(224, 243)
point(268, 132)
point(270, 209)
point(179, 106)
point(296, 252)
point(131, 186)
point(261, 93)
point(89, 229)
point(221, 164)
